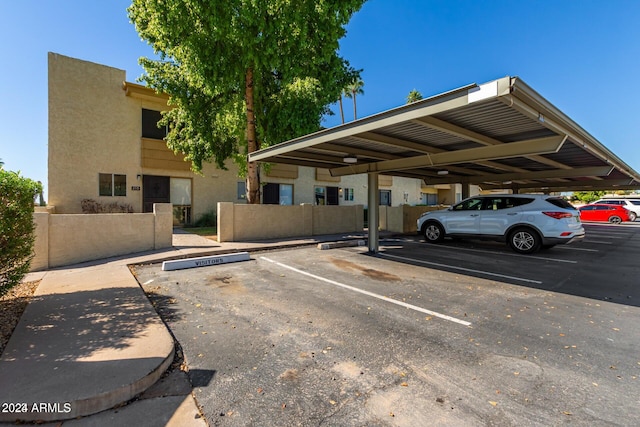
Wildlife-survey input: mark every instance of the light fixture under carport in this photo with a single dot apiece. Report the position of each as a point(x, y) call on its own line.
point(350, 158)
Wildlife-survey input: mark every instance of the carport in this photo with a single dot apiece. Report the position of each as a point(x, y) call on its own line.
point(497, 135)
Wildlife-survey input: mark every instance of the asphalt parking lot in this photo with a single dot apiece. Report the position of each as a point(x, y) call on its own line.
point(462, 333)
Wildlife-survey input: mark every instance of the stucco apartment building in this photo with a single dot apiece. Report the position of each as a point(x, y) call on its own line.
point(104, 145)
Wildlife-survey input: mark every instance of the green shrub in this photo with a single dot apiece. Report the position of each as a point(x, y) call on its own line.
point(16, 227)
point(90, 206)
point(209, 219)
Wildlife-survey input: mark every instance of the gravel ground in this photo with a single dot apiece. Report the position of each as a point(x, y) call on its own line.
point(12, 304)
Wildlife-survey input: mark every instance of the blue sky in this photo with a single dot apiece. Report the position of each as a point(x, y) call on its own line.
point(583, 56)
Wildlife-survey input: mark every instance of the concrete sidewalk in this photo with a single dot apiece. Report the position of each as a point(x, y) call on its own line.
point(90, 341)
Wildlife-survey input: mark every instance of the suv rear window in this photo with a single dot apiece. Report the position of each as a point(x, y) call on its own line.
point(561, 203)
point(635, 202)
point(519, 201)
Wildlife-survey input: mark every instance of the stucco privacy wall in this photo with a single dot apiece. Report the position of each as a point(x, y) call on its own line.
point(64, 239)
point(238, 222)
point(402, 219)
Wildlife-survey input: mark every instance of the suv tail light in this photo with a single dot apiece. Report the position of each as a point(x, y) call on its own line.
point(558, 215)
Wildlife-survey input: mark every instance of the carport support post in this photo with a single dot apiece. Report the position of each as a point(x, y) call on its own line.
point(373, 203)
point(466, 190)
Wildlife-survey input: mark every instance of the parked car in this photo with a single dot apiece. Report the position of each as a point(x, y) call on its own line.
point(632, 205)
point(614, 214)
point(526, 222)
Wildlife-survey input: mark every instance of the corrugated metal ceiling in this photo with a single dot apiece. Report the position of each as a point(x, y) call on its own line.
point(441, 132)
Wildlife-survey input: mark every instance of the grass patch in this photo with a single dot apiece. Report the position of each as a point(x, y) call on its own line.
point(203, 231)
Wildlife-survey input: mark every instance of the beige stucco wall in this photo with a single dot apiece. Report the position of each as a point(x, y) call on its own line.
point(75, 238)
point(242, 222)
point(95, 126)
point(402, 219)
point(91, 130)
point(304, 188)
point(40, 260)
point(64, 239)
point(337, 219)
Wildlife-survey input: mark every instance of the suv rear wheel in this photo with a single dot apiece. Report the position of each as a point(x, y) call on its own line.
point(632, 216)
point(524, 240)
point(433, 232)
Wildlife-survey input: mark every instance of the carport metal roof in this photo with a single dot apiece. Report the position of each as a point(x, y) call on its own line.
point(500, 134)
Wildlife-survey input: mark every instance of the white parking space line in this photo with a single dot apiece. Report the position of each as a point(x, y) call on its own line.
point(371, 294)
point(600, 242)
point(453, 267)
point(484, 251)
point(573, 248)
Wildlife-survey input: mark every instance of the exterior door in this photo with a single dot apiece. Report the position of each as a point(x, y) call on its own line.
point(155, 189)
point(271, 194)
point(332, 195)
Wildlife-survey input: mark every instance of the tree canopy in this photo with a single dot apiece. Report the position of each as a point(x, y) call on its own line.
point(243, 74)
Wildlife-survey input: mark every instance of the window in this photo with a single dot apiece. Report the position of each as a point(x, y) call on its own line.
point(320, 199)
point(286, 194)
point(559, 202)
point(495, 203)
point(150, 129)
point(112, 184)
point(385, 197)
point(326, 195)
point(521, 201)
point(180, 197)
point(348, 194)
point(469, 205)
point(242, 190)
point(277, 194)
point(180, 191)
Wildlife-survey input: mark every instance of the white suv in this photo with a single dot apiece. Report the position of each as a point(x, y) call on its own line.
point(632, 205)
point(527, 222)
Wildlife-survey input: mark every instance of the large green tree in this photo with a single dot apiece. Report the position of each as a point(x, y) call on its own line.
point(243, 74)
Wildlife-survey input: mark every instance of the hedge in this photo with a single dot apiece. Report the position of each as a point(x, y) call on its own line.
point(16, 227)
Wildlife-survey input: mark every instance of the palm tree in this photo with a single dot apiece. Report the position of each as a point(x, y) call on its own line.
point(343, 92)
point(414, 96)
point(351, 91)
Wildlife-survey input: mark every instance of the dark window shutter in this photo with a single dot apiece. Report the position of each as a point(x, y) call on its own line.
point(150, 129)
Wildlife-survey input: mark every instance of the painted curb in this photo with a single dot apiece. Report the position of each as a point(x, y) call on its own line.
point(205, 261)
point(346, 244)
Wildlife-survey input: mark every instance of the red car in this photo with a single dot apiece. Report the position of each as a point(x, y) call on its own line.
point(614, 214)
